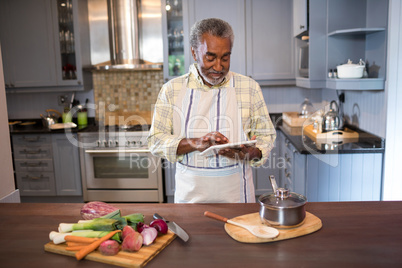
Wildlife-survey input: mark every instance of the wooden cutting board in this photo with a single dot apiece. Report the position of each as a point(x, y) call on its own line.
point(346, 135)
point(311, 224)
point(123, 259)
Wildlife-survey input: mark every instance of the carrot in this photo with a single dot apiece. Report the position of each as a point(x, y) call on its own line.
point(73, 248)
point(91, 247)
point(74, 244)
point(80, 239)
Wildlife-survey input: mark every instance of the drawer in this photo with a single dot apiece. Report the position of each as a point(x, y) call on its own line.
point(33, 165)
point(31, 139)
point(36, 183)
point(33, 151)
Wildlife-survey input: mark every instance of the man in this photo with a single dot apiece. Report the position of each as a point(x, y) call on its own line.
point(208, 106)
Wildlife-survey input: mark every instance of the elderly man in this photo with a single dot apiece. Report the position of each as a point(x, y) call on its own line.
point(208, 106)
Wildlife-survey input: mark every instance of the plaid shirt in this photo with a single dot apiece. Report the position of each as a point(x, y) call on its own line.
point(255, 117)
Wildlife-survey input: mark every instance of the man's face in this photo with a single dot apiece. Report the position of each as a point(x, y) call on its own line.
point(213, 58)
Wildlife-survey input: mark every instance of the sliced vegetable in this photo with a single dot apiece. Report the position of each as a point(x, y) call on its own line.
point(141, 226)
point(91, 247)
point(149, 235)
point(160, 225)
point(58, 238)
point(126, 231)
point(75, 248)
point(109, 248)
point(132, 242)
point(98, 224)
point(96, 209)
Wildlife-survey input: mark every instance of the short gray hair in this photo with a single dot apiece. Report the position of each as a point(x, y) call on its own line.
point(213, 26)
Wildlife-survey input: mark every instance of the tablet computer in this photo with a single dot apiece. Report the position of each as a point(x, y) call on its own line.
point(235, 145)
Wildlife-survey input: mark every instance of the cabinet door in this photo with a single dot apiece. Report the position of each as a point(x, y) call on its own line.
point(269, 39)
point(230, 11)
point(26, 35)
point(169, 170)
point(299, 16)
point(67, 42)
point(66, 166)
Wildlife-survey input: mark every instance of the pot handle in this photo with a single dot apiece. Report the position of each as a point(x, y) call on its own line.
point(273, 183)
point(336, 105)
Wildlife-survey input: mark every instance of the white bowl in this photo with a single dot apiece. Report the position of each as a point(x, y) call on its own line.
point(350, 70)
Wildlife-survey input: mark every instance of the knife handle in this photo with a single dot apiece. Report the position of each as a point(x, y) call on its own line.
point(215, 216)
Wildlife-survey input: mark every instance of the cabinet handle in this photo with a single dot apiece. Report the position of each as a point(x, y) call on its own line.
point(287, 158)
point(31, 139)
point(301, 27)
point(287, 143)
point(79, 82)
point(7, 85)
point(34, 178)
point(32, 152)
point(33, 164)
point(11, 85)
point(287, 174)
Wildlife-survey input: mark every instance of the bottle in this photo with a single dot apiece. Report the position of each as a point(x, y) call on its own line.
point(330, 73)
point(335, 74)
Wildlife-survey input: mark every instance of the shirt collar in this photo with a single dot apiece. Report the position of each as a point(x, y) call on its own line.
point(195, 80)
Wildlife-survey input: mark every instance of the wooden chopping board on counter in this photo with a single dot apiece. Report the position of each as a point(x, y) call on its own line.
point(123, 259)
point(311, 224)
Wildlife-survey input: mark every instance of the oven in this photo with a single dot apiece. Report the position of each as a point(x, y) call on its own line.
point(117, 166)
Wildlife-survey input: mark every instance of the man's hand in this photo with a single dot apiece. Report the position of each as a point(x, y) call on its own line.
point(202, 143)
point(244, 153)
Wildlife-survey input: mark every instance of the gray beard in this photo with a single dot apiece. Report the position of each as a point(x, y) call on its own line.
point(213, 82)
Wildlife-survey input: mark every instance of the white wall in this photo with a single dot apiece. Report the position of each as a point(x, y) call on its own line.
point(392, 183)
point(7, 185)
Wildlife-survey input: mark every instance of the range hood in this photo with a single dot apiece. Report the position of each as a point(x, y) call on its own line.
point(127, 30)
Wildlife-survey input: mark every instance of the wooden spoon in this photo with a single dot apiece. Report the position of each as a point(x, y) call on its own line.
point(260, 231)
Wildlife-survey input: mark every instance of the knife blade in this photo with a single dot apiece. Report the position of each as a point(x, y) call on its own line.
point(175, 228)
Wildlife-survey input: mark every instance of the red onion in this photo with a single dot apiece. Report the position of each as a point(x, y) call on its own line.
point(149, 235)
point(160, 225)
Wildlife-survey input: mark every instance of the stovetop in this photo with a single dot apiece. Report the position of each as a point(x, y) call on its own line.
point(116, 128)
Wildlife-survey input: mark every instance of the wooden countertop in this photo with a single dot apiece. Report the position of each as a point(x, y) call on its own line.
point(354, 234)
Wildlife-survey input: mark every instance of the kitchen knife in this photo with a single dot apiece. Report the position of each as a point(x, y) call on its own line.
point(174, 228)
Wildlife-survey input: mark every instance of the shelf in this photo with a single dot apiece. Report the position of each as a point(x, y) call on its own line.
point(356, 84)
point(356, 31)
point(310, 83)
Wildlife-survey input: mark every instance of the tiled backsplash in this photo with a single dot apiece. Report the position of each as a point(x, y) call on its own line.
point(126, 90)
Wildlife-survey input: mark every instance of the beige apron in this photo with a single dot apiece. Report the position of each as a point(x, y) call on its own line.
point(214, 179)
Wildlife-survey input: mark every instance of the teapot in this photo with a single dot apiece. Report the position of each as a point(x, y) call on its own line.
point(51, 118)
point(330, 120)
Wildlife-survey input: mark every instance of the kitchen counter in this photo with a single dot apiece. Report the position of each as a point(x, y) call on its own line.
point(367, 143)
point(38, 127)
point(354, 234)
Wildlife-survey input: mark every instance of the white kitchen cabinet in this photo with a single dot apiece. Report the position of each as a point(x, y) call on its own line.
point(34, 35)
point(27, 39)
point(300, 17)
point(231, 11)
point(331, 176)
point(263, 47)
point(357, 30)
point(316, 46)
point(46, 165)
point(340, 30)
point(269, 41)
point(66, 166)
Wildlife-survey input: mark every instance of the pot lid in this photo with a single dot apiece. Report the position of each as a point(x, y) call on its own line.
point(283, 199)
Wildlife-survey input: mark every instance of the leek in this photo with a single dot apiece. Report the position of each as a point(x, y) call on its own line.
point(97, 224)
point(58, 238)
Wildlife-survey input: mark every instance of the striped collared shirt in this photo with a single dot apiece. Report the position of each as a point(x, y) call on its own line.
point(255, 116)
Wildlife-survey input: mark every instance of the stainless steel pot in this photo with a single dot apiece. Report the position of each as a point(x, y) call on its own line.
point(282, 208)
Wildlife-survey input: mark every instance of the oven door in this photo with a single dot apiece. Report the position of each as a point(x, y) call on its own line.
point(121, 169)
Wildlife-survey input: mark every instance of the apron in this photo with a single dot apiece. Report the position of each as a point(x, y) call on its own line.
point(214, 179)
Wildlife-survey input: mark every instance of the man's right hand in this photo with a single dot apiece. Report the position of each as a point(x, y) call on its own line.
point(202, 143)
